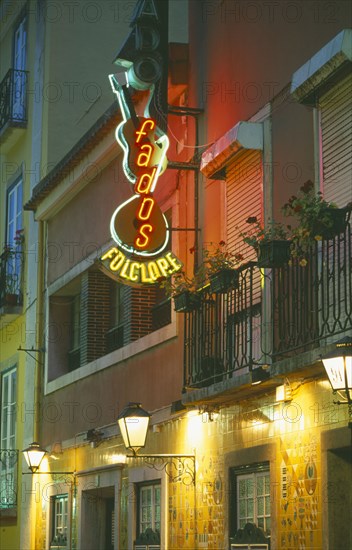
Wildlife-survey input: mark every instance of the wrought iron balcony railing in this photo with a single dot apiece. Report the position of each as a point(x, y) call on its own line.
point(13, 99)
point(11, 276)
point(222, 335)
point(271, 314)
point(313, 303)
point(8, 478)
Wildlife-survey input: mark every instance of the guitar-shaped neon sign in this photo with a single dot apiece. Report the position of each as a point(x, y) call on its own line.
point(138, 225)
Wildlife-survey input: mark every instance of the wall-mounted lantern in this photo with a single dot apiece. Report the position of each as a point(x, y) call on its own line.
point(338, 366)
point(34, 455)
point(133, 422)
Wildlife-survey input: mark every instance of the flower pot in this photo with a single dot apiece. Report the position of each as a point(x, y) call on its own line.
point(273, 253)
point(337, 223)
point(223, 280)
point(11, 299)
point(186, 301)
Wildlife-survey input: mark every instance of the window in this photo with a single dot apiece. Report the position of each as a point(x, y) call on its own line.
point(14, 212)
point(76, 321)
point(74, 355)
point(59, 520)
point(9, 454)
point(19, 65)
point(8, 410)
point(116, 304)
point(115, 335)
point(250, 497)
point(13, 228)
point(149, 510)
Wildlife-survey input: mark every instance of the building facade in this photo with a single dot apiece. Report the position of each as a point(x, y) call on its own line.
point(256, 451)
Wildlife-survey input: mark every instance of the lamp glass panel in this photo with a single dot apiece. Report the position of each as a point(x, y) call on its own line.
point(134, 431)
point(349, 371)
point(34, 458)
point(334, 367)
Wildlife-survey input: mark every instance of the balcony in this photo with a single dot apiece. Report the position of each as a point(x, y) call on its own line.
point(13, 106)
point(273, 315)
point(8, 479)
point(11, 281)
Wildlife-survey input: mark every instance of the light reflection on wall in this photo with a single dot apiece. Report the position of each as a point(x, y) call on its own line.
point(194, 428)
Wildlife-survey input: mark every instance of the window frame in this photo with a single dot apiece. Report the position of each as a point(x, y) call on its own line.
point(54, 501)
point(117, 305)
point(19, 63)
point(13, 188)
point(14, 223)
point(255, 470)
point(141, 487)
point(9, 460)
point(4, 409)
point(76, 320)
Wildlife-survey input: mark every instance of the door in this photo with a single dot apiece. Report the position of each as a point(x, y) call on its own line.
point(110, 524)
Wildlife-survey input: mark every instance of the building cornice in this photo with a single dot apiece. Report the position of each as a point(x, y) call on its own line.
point(105, 124)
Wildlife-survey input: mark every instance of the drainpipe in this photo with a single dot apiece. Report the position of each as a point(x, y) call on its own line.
point(191, 165)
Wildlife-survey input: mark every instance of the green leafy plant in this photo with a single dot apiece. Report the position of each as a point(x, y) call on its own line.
point(218, 257)
point(315, 217)
point(258, 234)
point(19, 238)
point(181, 282)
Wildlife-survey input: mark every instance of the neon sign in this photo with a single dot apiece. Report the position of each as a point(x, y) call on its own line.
point(138, 226)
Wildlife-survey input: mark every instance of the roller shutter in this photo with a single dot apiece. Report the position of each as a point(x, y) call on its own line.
point(336, 126)
point(244, 197)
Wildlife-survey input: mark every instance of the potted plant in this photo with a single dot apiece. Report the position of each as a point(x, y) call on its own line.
point(270, 243)
point(317, 220)
point(220, 264)
point(19, 239)
point(12, 285)
point(183, 290)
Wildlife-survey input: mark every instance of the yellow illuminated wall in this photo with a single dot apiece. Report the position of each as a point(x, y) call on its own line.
point(198, 516)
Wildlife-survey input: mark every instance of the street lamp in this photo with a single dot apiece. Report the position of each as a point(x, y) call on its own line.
point(34, 455)
point(338, 366)
point(133, 422)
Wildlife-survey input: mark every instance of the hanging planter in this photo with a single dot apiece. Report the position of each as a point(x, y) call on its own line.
point(274, 253)
point(334, 223)
point(186, 301)
point(223, 280)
